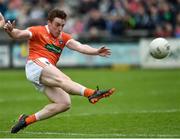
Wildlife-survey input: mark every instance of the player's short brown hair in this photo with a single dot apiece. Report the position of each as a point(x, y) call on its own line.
point(56, 13)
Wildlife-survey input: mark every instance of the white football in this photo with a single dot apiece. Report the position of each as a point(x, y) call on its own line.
point(159, 48)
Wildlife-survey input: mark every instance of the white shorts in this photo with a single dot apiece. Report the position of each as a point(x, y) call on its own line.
point(33, 71)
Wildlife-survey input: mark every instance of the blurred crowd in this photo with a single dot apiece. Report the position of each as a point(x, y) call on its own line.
point(101, 18)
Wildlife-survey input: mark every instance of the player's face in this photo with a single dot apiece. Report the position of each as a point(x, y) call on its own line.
point(56, 26)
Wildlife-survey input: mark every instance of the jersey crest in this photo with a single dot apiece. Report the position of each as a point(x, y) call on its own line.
point(60, 42)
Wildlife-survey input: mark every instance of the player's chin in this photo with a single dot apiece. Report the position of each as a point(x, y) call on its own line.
point(56, 34)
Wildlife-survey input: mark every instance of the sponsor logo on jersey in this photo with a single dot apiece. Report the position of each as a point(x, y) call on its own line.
point(53, 48)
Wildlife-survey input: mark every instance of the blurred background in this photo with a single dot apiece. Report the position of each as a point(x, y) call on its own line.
point(146, 102)
point(125, 26)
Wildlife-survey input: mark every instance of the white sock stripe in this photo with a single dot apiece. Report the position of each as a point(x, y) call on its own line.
point(82, 91)
point(37, 116)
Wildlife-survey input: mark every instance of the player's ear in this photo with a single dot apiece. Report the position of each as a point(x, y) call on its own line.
point(49, 22)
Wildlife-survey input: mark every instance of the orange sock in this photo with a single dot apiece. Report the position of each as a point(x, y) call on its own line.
point(88, 92)
point(31, 119)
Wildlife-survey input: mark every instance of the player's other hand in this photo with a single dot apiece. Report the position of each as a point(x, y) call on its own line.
point(104, 52)
point(2, 21)
point(8, 27)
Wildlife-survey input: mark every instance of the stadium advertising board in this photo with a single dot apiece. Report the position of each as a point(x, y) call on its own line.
point(172, 61)
point(19, 54)
point(4, 56)
point(122, 54)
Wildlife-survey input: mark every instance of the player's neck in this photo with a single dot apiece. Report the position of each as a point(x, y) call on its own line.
point(49, 32)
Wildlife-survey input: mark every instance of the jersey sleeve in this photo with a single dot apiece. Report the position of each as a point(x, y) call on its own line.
point(66, 37)
point(33, 31)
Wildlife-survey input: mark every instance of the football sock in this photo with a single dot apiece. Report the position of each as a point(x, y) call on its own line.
point(30, 119)
point(88, 92)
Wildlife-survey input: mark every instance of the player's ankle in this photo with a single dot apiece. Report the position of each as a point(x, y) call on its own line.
point(30, 119)
point(88, 92)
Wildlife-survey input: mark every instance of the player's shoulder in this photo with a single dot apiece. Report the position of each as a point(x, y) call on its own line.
point(39, 28)
point(65, 34)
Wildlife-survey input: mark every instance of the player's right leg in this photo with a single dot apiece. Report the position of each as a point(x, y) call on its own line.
point(51, 76)
point(41, 72)
point(60, 102)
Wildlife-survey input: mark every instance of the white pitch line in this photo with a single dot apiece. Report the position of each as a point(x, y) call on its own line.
point(19, 99)
point(124, 112)
point(106, 113)
point(96, 135)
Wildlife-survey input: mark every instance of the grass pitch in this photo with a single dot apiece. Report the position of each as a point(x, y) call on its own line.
point(146, 104)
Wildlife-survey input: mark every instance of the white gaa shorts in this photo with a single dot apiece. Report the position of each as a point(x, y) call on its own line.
point(33, 71)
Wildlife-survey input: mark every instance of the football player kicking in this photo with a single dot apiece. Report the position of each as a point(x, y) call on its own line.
point(45, 47)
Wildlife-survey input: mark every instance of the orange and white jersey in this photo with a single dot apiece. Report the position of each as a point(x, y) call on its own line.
point(43, 44)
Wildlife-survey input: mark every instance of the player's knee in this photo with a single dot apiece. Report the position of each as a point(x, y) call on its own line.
point(66, 105)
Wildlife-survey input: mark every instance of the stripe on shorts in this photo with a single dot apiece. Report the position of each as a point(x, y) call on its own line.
point(39, 63)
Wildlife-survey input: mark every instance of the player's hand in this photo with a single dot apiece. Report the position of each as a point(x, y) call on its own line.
point(104, 52)
point(2, 21)
point(8, 27)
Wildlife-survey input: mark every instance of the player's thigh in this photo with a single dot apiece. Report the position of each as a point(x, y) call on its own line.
point(51, 76)
point(57, 95)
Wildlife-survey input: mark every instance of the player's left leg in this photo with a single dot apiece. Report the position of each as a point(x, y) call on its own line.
point(60, 102)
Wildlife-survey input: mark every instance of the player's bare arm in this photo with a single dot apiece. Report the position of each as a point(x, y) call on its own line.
point(2, 20)
point(86, 49)
point(16, 33)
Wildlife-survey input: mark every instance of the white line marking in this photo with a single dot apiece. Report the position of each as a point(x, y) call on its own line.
point(96, 135)
point(19, 99)
point(123, 112)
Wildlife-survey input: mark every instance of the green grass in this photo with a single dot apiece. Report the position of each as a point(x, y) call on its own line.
point(146, 104)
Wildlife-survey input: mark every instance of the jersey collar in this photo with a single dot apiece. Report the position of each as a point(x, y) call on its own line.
point(47, 28)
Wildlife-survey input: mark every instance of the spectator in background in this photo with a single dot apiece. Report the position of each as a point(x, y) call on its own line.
point(73, 19)
point(166, 13)
point(168, 29)
point(95, 24)
point(154, 16)
point(176, 4)
point(116, 18)
point(177, 27)
point(75, 26)
point(105, 6)
point(177, 31)
point(141, 18)
point(3, 6)
point(178, 18)
point(87, 5)
point(12, 12)
point(61, 4)
point(37, 15)
point(23, 18)
point(165, 30)
point(132, 6)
